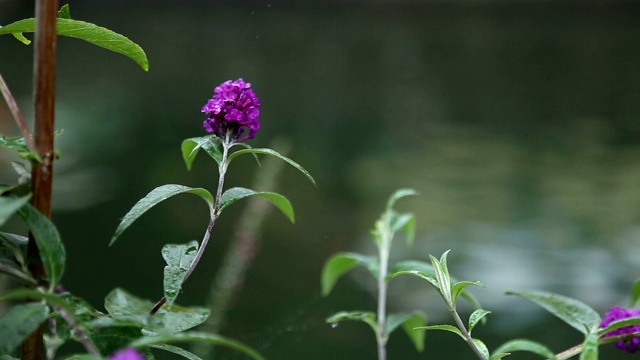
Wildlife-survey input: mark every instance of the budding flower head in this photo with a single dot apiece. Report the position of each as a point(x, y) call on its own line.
point(631, 345)
point(233, 110)
point(127, 354)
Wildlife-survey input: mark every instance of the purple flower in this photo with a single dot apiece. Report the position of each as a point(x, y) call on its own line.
point(631, 345)
point(234, 110)
point(127, 354)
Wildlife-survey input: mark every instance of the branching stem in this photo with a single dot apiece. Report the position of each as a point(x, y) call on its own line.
point(227, 143)
point(466, 334)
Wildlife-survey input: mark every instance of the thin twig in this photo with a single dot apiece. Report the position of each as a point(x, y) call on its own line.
point(17, 114)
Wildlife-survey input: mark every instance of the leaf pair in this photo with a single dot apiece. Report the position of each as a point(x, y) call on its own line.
point(409, 323)
point(211, 145)
point(164, 192)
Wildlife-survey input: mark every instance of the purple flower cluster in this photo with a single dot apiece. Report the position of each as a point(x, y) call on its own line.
point(617, 313)
point(234, 110)
point(127, 354)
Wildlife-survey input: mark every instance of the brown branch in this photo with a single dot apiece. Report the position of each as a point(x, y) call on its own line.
point(42, 173)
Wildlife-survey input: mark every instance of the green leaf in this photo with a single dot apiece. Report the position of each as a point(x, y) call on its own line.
point(399, 194)
point(13, 240)
point(427, 272)
point(179, 259)
point(524, 345)
point(590, 345)
point(575, 313)
point(444, 281)
point(24, 174)
point(19, 322)
point(459, 287)
point(364, 316)
point(449, 328)
point(135, 321)
point(265, 151)
point(409, 322)
point(196, 337)
point(172, 319)
point(82, 310)
point(17, 245)
point(481, 347)
point(499, 356)
point(191, 147)
point(234, 194)
point(416, 268)
point(614, 325)
point(9, 205)
point(111, 339)
point(84, 357)
point(430, 278)
point(156, 196)
point(340, 263)
point(47, 238)
point(177, 350)
point(7, 357)
point(34, 294)
point(405, 221)
point(18, 144)
point(92, 33)
point(477, 316)
point(635, 293)
point(64, 12)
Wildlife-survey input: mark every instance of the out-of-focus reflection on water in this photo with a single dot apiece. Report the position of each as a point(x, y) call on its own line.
point(517, 123)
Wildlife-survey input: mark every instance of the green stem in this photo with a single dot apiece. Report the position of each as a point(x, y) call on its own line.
point(382, 335)
point(384, 247)
point(227, 143)
point(466, 334)
point(242, 251)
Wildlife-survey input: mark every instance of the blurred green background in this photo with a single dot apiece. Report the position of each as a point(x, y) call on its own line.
point(516, 121)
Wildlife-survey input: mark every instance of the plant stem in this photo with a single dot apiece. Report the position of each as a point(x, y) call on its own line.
point(385, 235)
point(84, 339)
point(227, 143)
point(244, 248)
point(382, 335)
point(17, 114)
point(42, 173)
point(466, 334)
point(575, 350)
